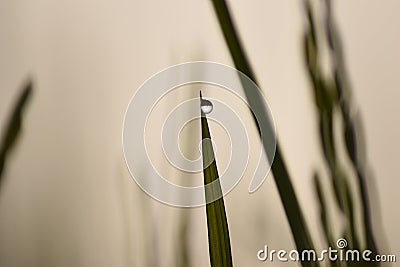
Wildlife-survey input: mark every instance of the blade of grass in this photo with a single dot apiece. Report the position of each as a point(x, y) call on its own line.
point(13, 126)
point(218, 233)
point(324, 217)
point(183, 256)
point(287, 194)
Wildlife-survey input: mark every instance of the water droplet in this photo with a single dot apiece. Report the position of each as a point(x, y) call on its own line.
point(206, 106)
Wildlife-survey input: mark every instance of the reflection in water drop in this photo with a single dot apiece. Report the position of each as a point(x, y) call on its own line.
point(206, 106)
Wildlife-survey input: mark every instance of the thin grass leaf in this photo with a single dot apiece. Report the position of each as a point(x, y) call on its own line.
point(183, 257)
point(287, 194)
point(352, 222)
point(218, 233)
point(323, 209)
point(13, 126)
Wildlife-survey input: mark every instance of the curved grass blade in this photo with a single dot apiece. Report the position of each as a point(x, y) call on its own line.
point(324, 218)
point(287, 194)
point(218, 233)
point(13, 126)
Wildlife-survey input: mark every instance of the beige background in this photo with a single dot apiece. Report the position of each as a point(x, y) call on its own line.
point(68, 200)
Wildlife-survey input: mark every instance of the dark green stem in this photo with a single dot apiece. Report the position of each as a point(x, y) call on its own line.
point(217, 224)
point(13, 127)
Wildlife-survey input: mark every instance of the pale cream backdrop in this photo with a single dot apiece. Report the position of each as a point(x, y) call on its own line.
point(67, 198)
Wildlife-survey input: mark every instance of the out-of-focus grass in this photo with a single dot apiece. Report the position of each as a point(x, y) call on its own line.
point(217, 224)
point(332, 96)
point(287, 194)
point(13, 126)
point(183, 256)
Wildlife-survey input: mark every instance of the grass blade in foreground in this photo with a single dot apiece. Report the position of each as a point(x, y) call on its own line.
point(217, 224)
point(13, 126)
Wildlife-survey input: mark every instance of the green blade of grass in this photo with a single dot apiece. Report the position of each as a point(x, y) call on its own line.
point(287, 194)
point(13, 126)
point(218, 233)
point(324, 218)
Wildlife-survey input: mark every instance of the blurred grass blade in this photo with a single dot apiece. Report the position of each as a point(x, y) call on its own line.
point(232, 38)
point(343, 90)
point(287, 194)
point(183, 255)
point(217, 224)
point(13, 126)
point(323, 213)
